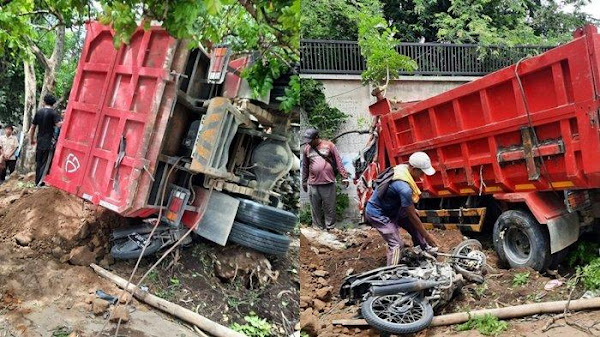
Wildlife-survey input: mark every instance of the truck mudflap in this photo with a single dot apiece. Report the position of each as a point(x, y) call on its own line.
point(549, 209)
point(213, 222)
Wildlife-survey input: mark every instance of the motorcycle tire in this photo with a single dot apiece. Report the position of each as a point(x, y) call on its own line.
point(471, 242)
point(127, 249)
point(423, 310)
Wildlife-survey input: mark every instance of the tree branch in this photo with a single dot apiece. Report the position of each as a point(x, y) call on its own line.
point(39, 55)
point(36, 12)
point(247, 4)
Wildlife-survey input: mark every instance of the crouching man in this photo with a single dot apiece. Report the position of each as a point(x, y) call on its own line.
point(391, 206)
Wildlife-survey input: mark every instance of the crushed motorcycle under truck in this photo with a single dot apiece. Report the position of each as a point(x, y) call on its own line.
point(156, 128)
point(516, 152)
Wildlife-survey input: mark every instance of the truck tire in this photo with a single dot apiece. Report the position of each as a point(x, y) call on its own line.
point(521, 241)
point(265, 217)
point(258, 239)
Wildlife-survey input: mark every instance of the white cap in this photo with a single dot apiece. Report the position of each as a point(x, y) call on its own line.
point(421, 161)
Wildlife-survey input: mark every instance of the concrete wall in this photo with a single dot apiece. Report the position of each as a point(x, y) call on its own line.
point(347, 93)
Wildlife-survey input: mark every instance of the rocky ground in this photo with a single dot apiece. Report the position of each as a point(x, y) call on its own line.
point(326, 258)
point(48, 239)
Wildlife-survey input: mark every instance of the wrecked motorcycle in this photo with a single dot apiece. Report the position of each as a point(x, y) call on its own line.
point(401, 299)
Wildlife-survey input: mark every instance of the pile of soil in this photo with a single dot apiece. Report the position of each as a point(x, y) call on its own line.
point(324, 267)
point(50, 221)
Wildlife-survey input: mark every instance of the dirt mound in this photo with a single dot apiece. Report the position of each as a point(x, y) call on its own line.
point(49, 220)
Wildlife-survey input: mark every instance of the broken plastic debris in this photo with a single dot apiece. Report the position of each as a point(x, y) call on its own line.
point(552, 285)
point(102, 295)
point(591, 294)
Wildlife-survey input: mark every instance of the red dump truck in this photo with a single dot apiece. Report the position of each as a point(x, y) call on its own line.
point(154, 127)
point(518, 149)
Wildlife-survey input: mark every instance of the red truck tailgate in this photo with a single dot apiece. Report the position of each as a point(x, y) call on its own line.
point(479, 137)
point(110, 136)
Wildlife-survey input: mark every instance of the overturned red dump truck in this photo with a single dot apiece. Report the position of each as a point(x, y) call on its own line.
point(516, 151)
point(154, 127)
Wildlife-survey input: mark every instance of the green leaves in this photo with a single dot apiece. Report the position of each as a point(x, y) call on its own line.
point(487, 324)
point(591, 275)
point(212, 6)
point(520, 279)
point(291, 98)
point(255, 326)
point(378, 45)
point(318, 113)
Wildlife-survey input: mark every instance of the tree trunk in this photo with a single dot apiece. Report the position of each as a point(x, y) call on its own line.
point(27, 158)
point(51, 67)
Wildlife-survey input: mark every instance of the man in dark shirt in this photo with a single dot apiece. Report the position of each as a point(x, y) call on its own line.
point(45, 120)
point(391, 207)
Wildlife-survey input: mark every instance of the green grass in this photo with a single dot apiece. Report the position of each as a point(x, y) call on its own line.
point(29, 184)
point(166, 294)
point(481, 289)
point(61, 331)
point(520, 279)
point(305, 215)
point(175, 281)
point(583, 254)
point(487, 324)
point(153, 276)
point(590, 274)
point(255, 326)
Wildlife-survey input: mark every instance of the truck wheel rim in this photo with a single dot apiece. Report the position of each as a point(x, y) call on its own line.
point(517, 245)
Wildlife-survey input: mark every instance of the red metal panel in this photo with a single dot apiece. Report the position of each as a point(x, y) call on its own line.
point(83, 111)
point(468, 130)
point(111, 117)
point(233, 79)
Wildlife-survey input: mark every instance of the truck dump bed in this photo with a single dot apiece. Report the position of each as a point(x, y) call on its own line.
point(535, 131)
point(114, 123)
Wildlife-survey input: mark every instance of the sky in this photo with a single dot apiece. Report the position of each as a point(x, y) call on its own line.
point(593, 9)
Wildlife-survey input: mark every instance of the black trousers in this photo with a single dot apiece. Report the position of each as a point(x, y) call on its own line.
point(41, 157)
point(10, 168)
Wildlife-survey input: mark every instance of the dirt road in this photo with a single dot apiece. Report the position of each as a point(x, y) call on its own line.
point(326, 258)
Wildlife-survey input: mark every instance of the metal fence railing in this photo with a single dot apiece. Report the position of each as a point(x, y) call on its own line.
point(343, 57)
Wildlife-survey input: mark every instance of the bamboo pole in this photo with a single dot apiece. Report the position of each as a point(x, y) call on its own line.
point(189, 316)
point(502, 313)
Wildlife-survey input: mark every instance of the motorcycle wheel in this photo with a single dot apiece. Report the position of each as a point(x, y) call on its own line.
point(466, 248)
point(397, 314)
